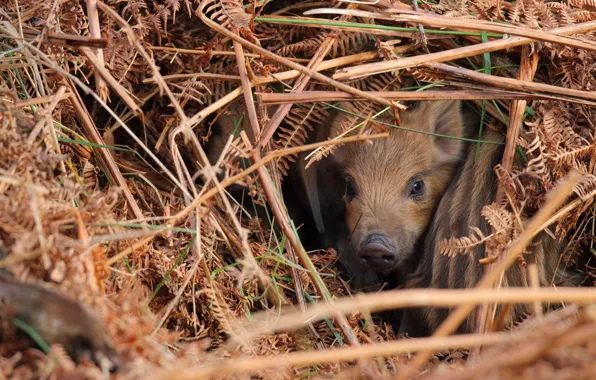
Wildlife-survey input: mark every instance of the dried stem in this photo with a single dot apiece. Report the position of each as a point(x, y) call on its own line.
point(335, 96)
point(104, 74)
point(510, 83)
point(95, 32)
point(466, 24)
point(305, 358)
point(269, 322)
point(201, 115)
point(105, 156)
point(212, 53)
point(275, 203)
point(453, 54)
point(528, 65)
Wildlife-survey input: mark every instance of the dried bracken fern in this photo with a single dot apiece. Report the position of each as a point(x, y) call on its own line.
point(228, 13)
point(301, 120)
point(463, 245)
point(63, 219)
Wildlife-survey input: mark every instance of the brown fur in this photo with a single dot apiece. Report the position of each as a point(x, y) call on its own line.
point(382, 172)
point(474, 187)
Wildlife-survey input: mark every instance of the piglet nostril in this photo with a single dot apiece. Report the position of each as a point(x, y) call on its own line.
point(377, 254)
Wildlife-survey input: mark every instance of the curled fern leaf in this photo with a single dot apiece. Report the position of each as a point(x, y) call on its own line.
point(228, 13)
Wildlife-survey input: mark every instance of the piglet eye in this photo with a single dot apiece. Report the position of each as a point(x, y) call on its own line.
point(351, 189)
point(417, 188)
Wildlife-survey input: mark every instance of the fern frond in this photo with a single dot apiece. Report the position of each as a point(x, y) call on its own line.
point(498, 217)
point(228, 13)
point(59, 354)
point(536, 166)
point(379, 82)
point(342, 126)
point(510, 184)
point(308, 45)
point(546, 16)
point(583, 3)
point(586, 187)
point(458, 246)
point(561, 157)
point(348, 42)
point(300, 121)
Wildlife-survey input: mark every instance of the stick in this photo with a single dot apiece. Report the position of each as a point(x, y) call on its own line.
point(510, 83)
point(433, 20)
point(338, 96)
point(306, 358)
point(453, 54)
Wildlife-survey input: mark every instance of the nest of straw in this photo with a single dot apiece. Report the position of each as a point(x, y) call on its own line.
point(104, 112)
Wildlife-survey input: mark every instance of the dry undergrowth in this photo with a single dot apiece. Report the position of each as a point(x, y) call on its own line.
point(104, 111)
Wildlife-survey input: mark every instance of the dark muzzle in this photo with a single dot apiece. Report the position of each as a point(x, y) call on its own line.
point(377, 253)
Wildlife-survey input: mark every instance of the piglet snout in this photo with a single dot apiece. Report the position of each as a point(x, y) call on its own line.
point(377, 253)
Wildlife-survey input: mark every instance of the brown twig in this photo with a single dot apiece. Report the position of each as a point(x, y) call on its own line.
point(274, 202)
point(305, 358)
point(104, 154)
point(453, 54)
point(212, 52)
point(40, 100)
point(254, 124)
point(69, 40)
point(312, 22)
point(510, 83)
point(95, 32)
point(528, 65)
point(201, 115)
point(268, 322)
point(335, 96)
point(456, 23)
point(195, 75)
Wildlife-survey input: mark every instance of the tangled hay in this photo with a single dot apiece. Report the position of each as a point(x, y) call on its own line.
point(107, 196)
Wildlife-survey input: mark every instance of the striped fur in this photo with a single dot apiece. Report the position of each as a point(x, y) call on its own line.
point(474, 186)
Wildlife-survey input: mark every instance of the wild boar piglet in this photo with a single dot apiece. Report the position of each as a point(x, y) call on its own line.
point(393, 185)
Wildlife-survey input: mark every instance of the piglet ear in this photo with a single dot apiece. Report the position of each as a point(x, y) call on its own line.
point(337, 124)
point(338, 157)
point(446, 119)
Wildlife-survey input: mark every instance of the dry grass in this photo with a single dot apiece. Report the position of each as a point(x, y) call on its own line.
point(105, 112)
